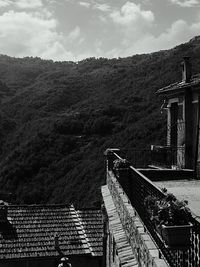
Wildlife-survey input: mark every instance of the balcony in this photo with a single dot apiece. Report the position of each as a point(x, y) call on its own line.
point(168, 157)
point(137, 187)
point(157, 156)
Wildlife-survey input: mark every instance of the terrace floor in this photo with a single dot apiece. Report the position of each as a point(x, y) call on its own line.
point(185, 190)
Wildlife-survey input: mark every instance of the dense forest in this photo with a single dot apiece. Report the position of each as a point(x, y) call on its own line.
point(57, 118)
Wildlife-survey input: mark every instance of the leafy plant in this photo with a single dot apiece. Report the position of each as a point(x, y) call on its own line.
point(168, 210)
point(121, 164)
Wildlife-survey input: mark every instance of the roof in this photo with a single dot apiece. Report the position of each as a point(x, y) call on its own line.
point(195, 80)
point(36, 231)
point(92, 224)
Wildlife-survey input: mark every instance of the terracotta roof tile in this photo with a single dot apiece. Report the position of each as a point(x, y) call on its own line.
point(92, 223)
point(30, 231)
point(180, 85)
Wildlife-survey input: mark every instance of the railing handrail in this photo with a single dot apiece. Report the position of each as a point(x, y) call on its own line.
point(147, 180)
point(117, 156)
point(170, 146)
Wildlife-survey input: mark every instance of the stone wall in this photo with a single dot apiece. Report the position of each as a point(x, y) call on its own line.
point(144, 248)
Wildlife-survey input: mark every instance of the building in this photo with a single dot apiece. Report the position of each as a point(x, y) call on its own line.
point(39, 235)
point(130, 237)
point(181, 100)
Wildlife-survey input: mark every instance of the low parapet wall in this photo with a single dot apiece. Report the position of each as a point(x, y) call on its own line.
point(143, 246)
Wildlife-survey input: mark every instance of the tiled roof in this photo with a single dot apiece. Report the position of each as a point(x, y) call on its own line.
point(30, 232)
point(92, 224)
point(180, 85)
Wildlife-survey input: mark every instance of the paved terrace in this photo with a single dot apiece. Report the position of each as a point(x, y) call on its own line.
point(185, 190)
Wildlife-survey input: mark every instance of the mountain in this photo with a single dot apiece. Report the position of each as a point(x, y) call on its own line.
point(57, 118)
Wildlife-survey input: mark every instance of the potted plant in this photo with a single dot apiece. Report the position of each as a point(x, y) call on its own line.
point(172, 220)
point(121, 167)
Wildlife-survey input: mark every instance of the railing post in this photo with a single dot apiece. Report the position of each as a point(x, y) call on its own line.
point(109, 153)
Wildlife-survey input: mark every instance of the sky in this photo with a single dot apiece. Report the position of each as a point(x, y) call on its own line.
point(71, 30)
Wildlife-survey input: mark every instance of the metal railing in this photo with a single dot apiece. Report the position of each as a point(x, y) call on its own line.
point(166, 156)
point(159, 156)
point(141, 187)
point(140, 158)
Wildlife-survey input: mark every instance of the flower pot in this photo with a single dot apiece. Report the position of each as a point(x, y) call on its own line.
point(177, 236)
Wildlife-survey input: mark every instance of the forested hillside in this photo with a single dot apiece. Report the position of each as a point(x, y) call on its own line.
point(57, 118)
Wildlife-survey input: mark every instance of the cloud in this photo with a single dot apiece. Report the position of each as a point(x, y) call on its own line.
point(85, 4)
point(96, 6)
point(180, 31)
point(24, 34)
point(28, 4)
point(5, 3)
point(74, 34)
point(102, 7)
point(37, 32)
point(185, 3)
point(131, 22)
point(130, 14)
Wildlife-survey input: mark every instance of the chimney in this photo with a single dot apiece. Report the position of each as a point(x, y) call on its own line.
point(186, 70)
point(3, 211)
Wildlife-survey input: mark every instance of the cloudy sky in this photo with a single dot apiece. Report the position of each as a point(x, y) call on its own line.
point(76, 29)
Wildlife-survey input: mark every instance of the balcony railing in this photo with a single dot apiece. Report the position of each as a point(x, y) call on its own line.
point(140, 187)
point(159, 156)
point(168, 157)
point(140, 158)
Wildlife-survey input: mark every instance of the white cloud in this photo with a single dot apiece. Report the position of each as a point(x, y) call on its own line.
point(57, 52)
point(42, 13)
point(5, 3)
point(24, 34)
point(74, 34)
point(102, 7)
point(179, 32)
point(132, 13)
point(132, 22)
point(84, 4)
point(95, 6)
point(28, 4)
point(136, 26)
point(185, 3)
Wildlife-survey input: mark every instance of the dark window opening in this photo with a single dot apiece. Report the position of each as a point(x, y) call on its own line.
point(174, 121)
